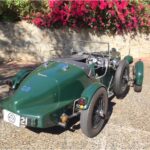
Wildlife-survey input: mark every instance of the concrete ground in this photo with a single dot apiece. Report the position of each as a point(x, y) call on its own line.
point(127, 128)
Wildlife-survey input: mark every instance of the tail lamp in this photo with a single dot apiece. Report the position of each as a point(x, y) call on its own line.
point(81, 103)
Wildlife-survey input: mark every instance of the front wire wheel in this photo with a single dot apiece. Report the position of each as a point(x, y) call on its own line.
point(121, 80)
point(93, 119)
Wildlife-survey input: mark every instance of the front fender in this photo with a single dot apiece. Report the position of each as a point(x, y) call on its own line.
point(89, 92)
point(129, 59)
point(139, 73)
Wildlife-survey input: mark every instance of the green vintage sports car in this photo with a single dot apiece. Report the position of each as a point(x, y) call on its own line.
point(62, 88)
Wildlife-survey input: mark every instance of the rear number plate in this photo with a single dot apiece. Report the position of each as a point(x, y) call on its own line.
point(11, 118)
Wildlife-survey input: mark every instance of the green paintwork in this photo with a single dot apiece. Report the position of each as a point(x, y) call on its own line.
point(129, 59)
point(46, 92)
point(139, 72)
point(90, 91)
point(19, 77)
point(106, 79)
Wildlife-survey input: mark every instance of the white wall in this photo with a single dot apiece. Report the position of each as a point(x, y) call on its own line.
point(25, 41)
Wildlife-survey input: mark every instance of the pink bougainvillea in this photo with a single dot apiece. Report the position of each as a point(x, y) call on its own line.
point(102, 15)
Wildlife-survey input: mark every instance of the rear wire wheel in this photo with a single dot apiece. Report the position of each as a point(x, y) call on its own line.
point(93, 119)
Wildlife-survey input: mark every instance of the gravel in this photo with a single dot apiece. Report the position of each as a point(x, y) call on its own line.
point(127, 128)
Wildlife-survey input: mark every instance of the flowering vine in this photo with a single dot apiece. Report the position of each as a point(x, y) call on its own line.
point(100, 15)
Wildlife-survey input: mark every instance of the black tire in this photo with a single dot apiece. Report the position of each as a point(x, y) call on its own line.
point(137, 88)
point(89, 125)
point(121, 79)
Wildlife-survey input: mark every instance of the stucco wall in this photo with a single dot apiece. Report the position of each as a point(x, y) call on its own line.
point(25, 41)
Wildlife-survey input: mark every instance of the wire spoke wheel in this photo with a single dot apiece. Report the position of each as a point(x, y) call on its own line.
point(121, 80)
point(98, 113)
point(93, 119)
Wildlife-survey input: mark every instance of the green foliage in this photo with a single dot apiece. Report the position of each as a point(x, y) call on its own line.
point(13, 10)
point(146, 2)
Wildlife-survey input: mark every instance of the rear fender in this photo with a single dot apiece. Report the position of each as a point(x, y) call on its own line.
point(89, 92)
point(19, 77)
point(139, 73)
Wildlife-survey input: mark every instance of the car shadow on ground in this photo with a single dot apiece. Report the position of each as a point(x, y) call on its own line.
point(73, 124)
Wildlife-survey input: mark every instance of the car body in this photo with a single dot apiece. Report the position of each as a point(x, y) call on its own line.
point(62, 88)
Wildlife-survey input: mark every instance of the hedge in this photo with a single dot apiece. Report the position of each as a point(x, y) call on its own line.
point(15, 10)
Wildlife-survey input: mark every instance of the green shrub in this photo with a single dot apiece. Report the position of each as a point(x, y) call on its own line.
point(146, 2)
point(13, 10)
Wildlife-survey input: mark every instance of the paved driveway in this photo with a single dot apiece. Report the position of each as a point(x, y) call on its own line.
point(127, 128)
